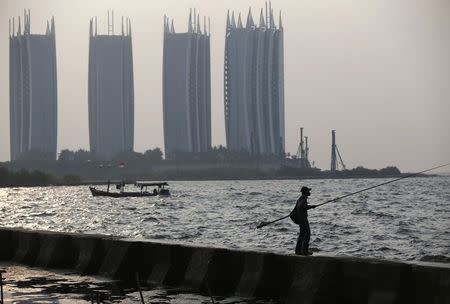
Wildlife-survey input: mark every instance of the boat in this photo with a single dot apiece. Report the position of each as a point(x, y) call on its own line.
point(159, 189)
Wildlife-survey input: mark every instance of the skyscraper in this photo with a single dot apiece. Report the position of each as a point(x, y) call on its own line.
point(32, 90)
point(186, 88)
point(254, 85)
point(111, 90)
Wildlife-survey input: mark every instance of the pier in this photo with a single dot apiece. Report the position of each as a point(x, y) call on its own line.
point(222, 271)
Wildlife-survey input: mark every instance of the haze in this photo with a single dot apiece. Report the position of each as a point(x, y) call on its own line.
point(376, 71)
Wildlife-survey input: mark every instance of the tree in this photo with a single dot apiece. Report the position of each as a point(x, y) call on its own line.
point(83, 155)
point(66, 155)
point(154, 155)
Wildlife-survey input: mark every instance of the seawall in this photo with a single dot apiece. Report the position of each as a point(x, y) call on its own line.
point(221, 271)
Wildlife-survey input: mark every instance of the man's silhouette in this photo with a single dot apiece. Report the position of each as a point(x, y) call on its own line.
point(301, 209)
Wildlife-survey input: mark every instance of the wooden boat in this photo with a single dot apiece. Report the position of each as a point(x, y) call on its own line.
point(158, 190)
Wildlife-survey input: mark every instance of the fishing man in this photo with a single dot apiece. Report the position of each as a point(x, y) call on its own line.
point(301, 218)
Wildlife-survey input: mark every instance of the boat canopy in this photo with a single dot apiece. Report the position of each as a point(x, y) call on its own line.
point(149, 184)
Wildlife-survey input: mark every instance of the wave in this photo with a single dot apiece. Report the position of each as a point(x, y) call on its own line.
point(45, 213)
point(150, 219)
point(255, 193)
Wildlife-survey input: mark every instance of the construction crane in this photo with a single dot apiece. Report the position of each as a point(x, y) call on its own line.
point(303, 151)
point(335, 162)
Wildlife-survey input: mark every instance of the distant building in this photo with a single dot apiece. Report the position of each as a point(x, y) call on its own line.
point(186, 88)
point(33, 91)
point(254, 85)
point(111, 90)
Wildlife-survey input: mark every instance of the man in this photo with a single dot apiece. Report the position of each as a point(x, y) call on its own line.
point(301, 209)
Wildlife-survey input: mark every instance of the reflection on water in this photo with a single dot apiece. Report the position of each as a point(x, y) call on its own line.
point(396, 221)
point(31, 285)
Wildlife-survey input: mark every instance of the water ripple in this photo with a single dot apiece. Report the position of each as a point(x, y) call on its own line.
point(406, 221)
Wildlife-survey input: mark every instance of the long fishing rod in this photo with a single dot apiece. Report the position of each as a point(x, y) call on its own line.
point(359, 191)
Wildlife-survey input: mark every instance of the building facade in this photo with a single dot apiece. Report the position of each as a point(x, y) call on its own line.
point(186, 88)
point(33, 91)
point(254, 85)
point(111, 90)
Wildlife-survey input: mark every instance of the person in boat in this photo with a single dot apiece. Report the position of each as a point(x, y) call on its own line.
point(301, 216)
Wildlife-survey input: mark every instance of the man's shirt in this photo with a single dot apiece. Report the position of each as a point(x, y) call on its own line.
point(302, 209)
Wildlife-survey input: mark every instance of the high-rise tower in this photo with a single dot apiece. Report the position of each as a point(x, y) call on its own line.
point(33, 90)
point(111, 90)
point(254, 84)
point(186, 88)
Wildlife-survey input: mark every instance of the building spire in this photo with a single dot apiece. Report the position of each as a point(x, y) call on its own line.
point(228, 19)
point(19, 30)
point(172, 28)
point(195, 19)
point(269, 23)
point(250, 23)
point(261, 19)
point(198, 30)
point(280, 24)
point(166, 24)
point(272, 21)
point(233, 22)
point(52, 26)
point(108, 21)
point(204, 26)
point(267, 16)
point(190, 30)
point(24, 21)
point(112, 21)
point(239, 21)
point(29, 21)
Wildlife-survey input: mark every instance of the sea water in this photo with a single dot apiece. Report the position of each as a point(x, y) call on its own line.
point(406, 220)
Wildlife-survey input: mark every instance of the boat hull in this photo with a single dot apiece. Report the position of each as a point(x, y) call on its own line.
point(96, 192)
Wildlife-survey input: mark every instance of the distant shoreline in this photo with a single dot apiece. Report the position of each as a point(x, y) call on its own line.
point(104, 182)
point(60, 174)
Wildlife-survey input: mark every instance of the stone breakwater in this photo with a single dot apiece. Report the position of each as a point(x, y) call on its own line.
point(221, 271)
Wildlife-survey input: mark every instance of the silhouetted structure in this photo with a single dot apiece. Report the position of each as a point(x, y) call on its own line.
point(303, 151)
point(186, 88)
point(111, 90)
point(33, 90)
point(254, 85)
point(334, 153)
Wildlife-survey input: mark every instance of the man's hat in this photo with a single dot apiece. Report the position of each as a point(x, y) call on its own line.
point(305, 189)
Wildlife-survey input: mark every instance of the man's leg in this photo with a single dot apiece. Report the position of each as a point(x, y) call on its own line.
point(298, 247)
point(305, 240)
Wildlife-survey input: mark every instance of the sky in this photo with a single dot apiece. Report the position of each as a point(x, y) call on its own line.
point(376, 71)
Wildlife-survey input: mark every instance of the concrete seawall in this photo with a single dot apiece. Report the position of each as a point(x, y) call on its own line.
point(286, 278)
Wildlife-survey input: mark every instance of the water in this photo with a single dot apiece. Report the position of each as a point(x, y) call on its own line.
point(406, 220)
point(32, 285)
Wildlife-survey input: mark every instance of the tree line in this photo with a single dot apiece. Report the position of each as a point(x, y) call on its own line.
point(21, 178)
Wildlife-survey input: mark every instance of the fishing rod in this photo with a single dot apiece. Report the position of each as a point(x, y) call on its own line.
point(359, 191)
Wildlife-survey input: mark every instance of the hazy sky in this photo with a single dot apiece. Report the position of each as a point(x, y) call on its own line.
point(377, 71)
